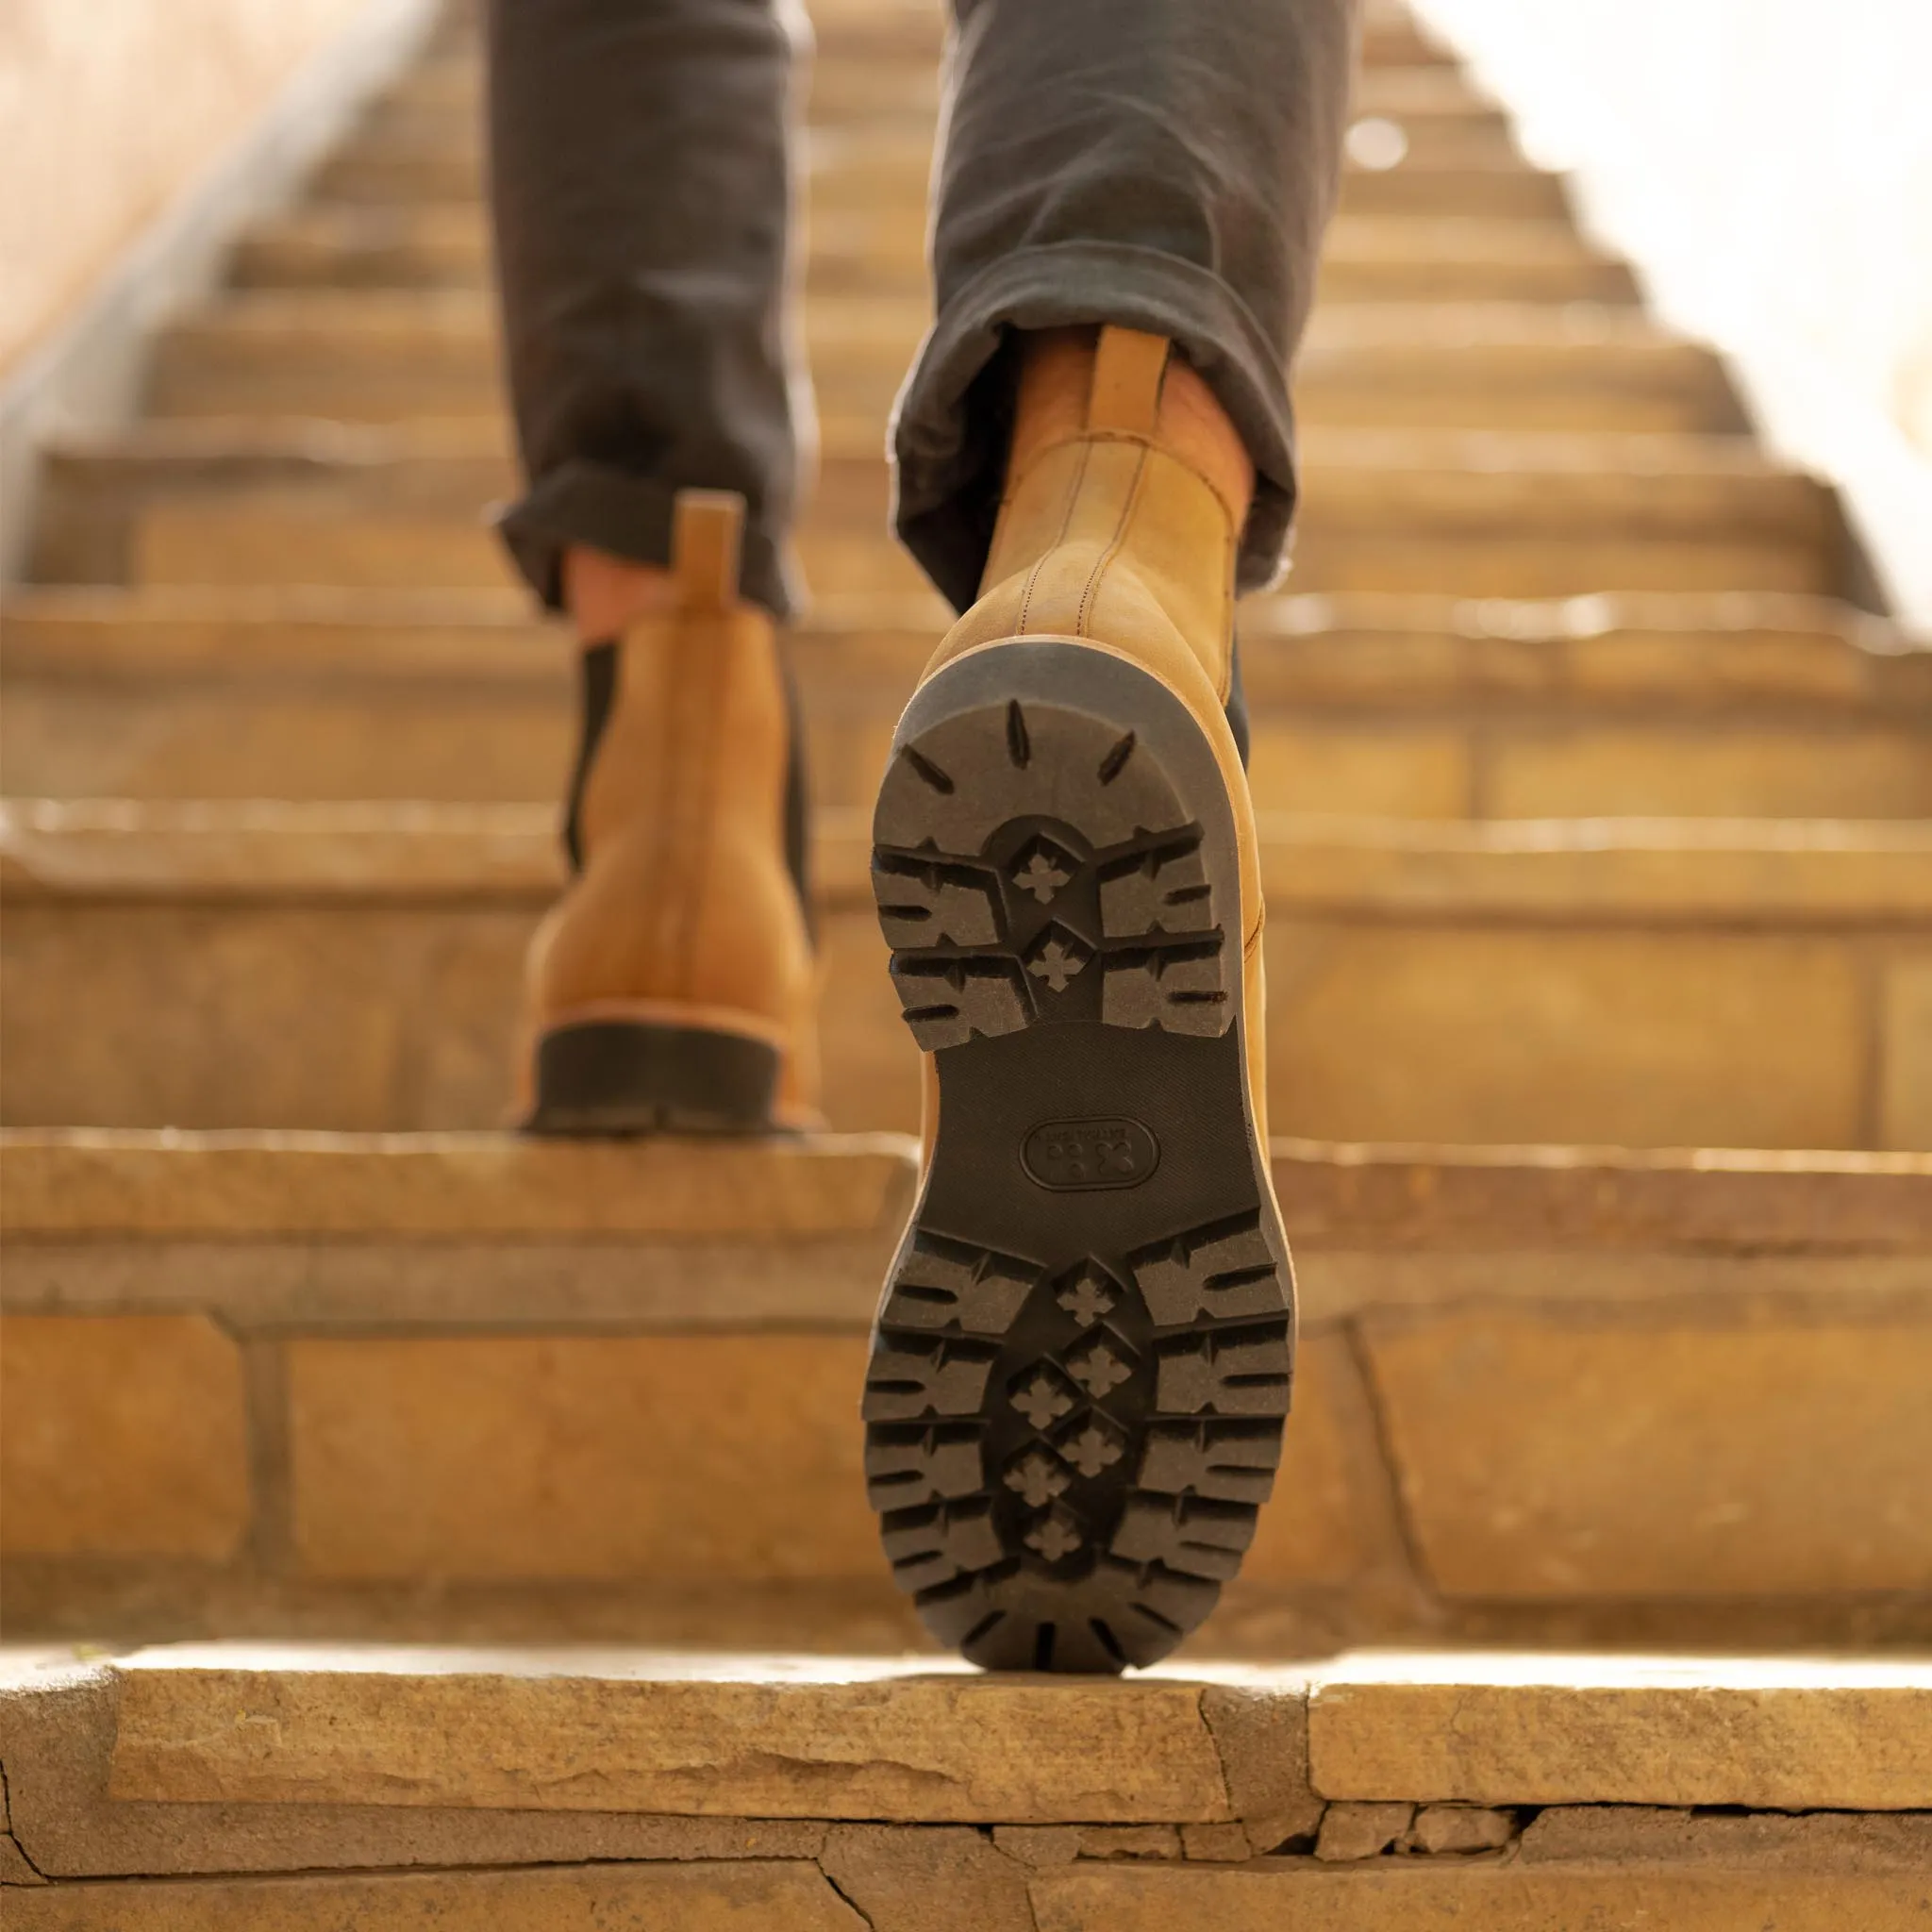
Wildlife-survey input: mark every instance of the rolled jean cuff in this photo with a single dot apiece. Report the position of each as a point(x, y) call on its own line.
point(628, 516)
point(951, 457)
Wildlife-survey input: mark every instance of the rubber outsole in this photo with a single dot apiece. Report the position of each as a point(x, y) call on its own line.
point(1084, 1351)
point(629, 1076)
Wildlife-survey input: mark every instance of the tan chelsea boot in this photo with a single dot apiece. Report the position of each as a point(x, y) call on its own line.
point(1082, 1357)
point(673, 987)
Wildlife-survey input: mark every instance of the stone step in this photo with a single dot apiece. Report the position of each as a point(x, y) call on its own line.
point(842, 27)
point(408, 148)
point(371, 354)
point(1366, 258)
point(1392, 37)
point(880, 88)
point(1674, 982)
point(1390, 90)
point(324, 246)
point(1503, 190)
point(1399, 73)
point(1544, 1395)
point(267, 537)
point(1422, 142)
point(884, 175)
point(1452, 260)
point(307, 1787)
point(1769, 708)
point(1479, 514)
point(886, 196)
point(858, 167)
point(397, 1386)
point(871, 91)
point(1438, 116)
point(95, 488)
point(1481, 365)
point(96, 485)
point(1399, 63)
point(446, 246)
point(849, 28)
point(863, 78)
point(1656, 484)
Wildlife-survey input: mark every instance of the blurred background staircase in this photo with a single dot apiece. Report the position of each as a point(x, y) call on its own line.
point(1598, 848)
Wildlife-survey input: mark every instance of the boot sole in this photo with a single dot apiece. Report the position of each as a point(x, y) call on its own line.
point(1081, 1364)
point(630, 1076)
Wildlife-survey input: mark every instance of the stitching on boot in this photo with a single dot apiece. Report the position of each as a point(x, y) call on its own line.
point(1230, 550)
point(1075, 486)
point(699, 876)
point(675, 841)
point(1113, 543)
point(1087, 437)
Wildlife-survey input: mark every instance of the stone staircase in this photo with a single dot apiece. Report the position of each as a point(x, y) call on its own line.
point(281, 1787)
point(1598, 823)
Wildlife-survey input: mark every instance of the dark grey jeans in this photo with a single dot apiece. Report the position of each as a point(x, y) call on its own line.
point(1164, 164)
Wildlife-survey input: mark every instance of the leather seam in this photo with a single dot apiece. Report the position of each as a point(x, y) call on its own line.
point(1154, 445)
point(1104, 561)
point(687, 843)
point(1074, 485)
point(702, 880)
point(1230, 548)
point(662, 790)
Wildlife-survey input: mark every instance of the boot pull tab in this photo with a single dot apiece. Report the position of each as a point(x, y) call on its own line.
point(706, 530)
point(1128, 368)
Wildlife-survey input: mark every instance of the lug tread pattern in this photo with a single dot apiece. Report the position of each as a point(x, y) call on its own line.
point(1067, 1453)
point(1036, 865)
point(1109, 1476)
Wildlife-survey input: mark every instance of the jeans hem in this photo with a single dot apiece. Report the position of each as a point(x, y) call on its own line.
point(949, 471)
point(628, 516)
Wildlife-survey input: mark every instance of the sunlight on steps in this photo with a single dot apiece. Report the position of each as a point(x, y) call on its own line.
point(1598, 845)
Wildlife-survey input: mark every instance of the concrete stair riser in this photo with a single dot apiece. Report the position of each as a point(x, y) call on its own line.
point(874, 61)
point(1485, 514)
point(1507, 515)
point(128, 698)
point(457, 466)
point(332, 738)
point(1344, 547)
point(330, 1336)
point(384, 356)
point(442, 91)
point(432, 155)
point(1655, 985)
point(1367, 259)
point(1501, 189)
point(434, 247)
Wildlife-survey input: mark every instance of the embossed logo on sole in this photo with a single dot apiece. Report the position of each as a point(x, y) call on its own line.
point(1068, 1156)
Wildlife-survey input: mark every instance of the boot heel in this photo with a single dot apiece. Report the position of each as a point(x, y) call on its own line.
point(1083, 1356)
point(630, 1076)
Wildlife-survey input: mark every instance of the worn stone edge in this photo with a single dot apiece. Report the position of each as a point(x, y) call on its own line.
point(1675, 872)
point(66, 1182)
point(323, 1839)
point(82, 1696)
